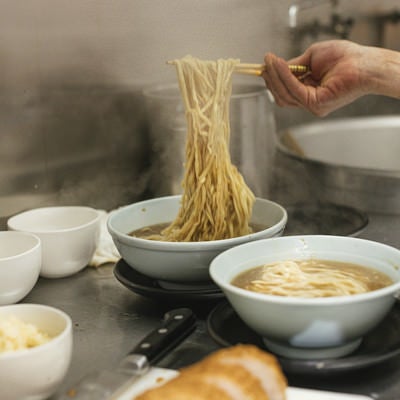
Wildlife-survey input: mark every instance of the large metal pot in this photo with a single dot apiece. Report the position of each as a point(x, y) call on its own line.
point(252, 126)
point(351, 161)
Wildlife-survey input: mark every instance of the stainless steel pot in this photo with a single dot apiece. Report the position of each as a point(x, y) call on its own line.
point(351, 161)
point(252, 126)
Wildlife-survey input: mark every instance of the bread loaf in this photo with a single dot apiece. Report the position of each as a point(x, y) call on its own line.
point(236, 373)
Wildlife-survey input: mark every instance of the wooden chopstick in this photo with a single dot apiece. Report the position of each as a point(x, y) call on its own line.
point(258, 69)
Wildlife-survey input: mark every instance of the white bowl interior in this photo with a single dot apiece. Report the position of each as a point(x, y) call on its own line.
point(13, 244)
point(352, 142)
point(146, 213)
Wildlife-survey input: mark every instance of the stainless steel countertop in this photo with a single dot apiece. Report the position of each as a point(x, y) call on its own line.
point(108, 319)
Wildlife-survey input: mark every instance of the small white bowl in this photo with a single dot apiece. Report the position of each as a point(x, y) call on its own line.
point(184, 262)
point(36, 373)
point(309, 328)
point(20, 263)
point(69, 236)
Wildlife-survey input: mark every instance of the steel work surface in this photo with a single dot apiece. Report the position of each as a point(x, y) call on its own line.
point(108, 319)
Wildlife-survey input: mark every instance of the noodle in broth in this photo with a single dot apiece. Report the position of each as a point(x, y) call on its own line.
point(312, 278)
point(216, 202)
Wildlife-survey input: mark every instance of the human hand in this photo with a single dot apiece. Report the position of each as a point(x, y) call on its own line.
point(336, 76)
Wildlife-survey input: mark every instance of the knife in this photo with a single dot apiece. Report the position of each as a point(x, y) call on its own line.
point(110, 384)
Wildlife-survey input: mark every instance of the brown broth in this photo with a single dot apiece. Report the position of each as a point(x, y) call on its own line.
point(370, 278)
point(149, 230)
point(158, 228)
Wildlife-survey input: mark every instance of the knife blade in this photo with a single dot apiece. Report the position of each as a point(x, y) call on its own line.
point(109, 384)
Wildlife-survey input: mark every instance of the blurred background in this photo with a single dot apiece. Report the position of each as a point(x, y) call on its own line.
point(74, 125)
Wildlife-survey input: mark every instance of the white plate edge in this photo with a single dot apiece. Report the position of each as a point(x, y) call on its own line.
point(160, 375)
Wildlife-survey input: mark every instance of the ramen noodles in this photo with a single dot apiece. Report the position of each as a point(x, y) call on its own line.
point(312, 278)
point(216, 202)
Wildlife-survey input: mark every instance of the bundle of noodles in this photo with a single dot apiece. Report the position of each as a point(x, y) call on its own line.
point(242, 372)
point(216, 202)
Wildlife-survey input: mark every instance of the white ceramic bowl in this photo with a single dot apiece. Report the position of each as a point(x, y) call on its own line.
point(69, 236)
point(36, 373)
point(20, 262)
point(309, 328)
point(180, 261)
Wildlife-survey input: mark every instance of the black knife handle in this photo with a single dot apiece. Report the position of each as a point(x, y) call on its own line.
point(177, 325)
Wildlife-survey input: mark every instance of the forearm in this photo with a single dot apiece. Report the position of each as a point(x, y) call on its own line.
point(381, 72)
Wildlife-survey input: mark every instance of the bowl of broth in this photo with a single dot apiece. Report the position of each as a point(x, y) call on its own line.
point(312, 296)
point(180, 262)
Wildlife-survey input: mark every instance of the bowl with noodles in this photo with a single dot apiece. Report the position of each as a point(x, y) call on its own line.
point(180, 261)
point(217, 210)
point(312, 296)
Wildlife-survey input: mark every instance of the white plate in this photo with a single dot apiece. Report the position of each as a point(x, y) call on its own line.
point(309, 394)
point(157, 376)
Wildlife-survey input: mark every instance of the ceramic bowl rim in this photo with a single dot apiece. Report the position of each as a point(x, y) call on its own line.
point(32, 249)
point(297, 301)
point(190, 246)
point(96, 215)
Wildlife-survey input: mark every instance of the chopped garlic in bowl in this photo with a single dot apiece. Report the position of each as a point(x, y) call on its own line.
point(18, 335)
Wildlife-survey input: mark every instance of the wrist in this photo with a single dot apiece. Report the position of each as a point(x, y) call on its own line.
point(381, 72)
